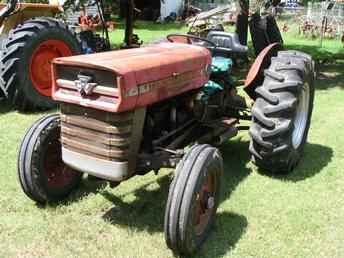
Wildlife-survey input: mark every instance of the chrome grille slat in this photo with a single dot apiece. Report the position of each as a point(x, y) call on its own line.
point(84, 133)
point(99, 89)
point(101, 77)
point(96, 133)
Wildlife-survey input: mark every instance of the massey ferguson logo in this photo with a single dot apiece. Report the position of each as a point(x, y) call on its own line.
point(85, 85)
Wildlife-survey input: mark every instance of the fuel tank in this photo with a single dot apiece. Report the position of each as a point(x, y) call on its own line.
point(123, 80)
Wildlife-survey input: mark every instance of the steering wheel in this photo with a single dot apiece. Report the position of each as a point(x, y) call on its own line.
point(191, 39)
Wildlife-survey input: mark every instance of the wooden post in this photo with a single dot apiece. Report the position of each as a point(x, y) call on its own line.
point(129, 26)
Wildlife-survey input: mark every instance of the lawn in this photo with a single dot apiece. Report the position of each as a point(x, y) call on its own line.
point(299, 215)
point(147, 31)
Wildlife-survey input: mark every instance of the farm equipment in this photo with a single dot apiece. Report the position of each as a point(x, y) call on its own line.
point(32, 35)
point(262, 24)
point(169, 105)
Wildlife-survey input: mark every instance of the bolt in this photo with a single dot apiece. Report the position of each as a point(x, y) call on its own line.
point(211, 203)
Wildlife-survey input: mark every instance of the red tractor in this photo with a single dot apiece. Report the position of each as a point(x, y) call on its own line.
point(170, 105)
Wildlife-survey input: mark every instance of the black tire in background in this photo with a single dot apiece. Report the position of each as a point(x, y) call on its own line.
point(19, 48)
point(193, 199)
point(264, 31)
point(241, 25)
point(282, 112)
point(273, 30)
point(42, 174)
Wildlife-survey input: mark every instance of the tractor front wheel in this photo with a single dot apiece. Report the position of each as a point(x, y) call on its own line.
point(26, 61)
point(42, 174)
point(282, 112)
point(193, 199)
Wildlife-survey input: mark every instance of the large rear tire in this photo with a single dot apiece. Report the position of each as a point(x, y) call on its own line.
point(42, 174)
point(26, 61)
point(282, 112)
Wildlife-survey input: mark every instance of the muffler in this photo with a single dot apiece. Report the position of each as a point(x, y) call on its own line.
point(225, 136)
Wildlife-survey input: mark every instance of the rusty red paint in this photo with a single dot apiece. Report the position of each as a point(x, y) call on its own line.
point(202, 212)
point(135, 68)
point(258, 63)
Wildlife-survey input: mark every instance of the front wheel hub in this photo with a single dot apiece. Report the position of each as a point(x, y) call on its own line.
point(205, 204)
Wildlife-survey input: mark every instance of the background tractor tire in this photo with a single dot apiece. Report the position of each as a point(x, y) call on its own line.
point(264, 31)
point(282, 112)
point(241, 25)
point(42, 174)
point(193, 199)
point(26, 61)
point(273, 30)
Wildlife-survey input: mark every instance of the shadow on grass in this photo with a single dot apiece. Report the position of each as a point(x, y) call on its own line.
point(86, 188)
point(229, 227)
point(316, 157)
point(330, 76)
point(318, 54)
point(5, 107)
point(147, 210)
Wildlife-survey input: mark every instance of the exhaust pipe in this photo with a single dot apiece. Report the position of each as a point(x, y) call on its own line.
point(226, 135)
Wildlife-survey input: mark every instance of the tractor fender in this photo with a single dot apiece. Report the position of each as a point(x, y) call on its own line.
point(255, 76)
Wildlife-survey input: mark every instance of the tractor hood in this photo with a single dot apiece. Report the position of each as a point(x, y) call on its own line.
point(122, 80)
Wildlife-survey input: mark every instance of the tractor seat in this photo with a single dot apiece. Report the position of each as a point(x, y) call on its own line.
point(228, 44)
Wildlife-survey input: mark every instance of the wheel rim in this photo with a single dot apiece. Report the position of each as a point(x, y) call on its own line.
point(301, 118)
point(205, 204)
point(58, 175)
point(40, 64)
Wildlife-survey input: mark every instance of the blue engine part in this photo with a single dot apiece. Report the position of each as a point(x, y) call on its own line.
point(221, 65)
point(220, 79)
point(210, 89)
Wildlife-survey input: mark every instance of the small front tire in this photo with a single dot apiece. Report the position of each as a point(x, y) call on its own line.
point(193, 199)
point(42, 174)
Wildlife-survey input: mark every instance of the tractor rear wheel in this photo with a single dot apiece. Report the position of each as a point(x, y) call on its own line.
point(26, 61)
point(42, 174)
point(193, 199)
point(282, 112)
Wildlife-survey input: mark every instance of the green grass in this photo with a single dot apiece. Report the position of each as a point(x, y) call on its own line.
point(147, 31)
point(299, 215)
point(329, 50)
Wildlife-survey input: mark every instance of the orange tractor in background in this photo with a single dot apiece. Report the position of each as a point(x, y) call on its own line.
point(31, 38)
point(32, 35)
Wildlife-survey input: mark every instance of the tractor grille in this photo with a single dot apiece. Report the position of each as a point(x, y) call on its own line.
point(102, 78)
point(95, 133)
